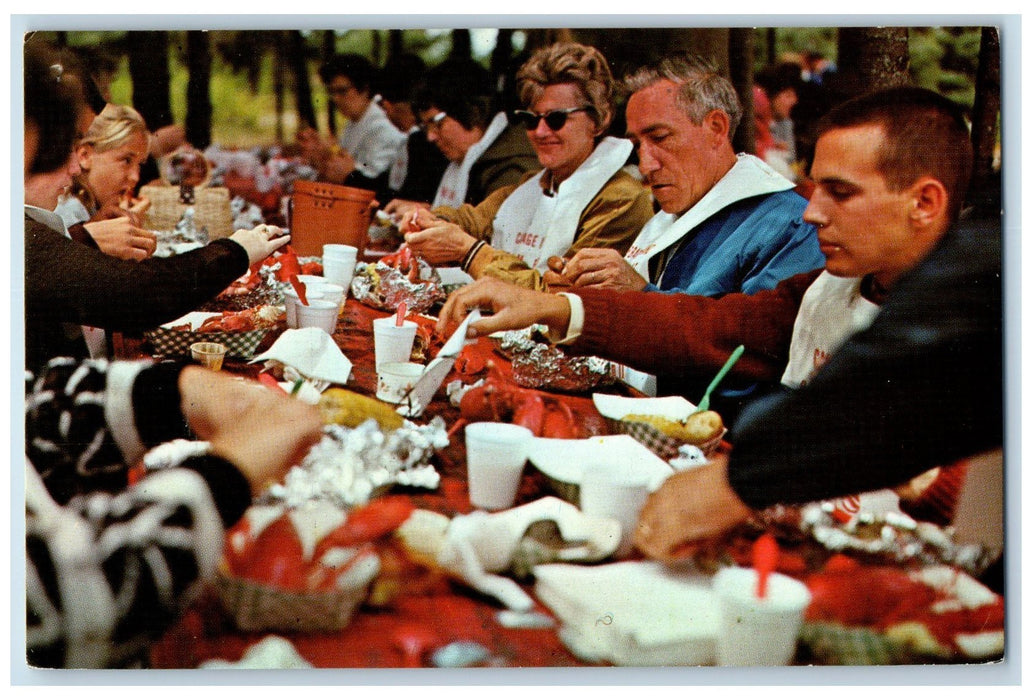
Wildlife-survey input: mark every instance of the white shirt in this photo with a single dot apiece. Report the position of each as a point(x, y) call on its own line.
point(831, 310)
point(373, 141)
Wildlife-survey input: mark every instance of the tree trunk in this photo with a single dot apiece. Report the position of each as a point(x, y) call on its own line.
point(395, 44)
point(984, 115)
point(461, 44)
point(302, 86)
point(872, 58)
point(198, 89)
point(279, 82)
point(148, 70)
point(329, 47)
point(740, 70)
point(503, 70)
point(772, 46)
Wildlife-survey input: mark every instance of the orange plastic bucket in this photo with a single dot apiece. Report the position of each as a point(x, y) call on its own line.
point(321, 213)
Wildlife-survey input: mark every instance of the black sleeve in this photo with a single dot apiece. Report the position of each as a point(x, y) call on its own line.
point(69, 282)
point(922, 387)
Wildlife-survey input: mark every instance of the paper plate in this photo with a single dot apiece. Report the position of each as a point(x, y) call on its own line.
point(564, 462)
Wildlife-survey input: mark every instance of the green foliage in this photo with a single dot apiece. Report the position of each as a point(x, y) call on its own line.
point(945, 59)
point(942, 58)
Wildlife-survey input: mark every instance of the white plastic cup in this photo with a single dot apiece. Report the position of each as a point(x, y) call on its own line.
point(495, 455)
point(391, 342)
point(609, 492)
point(338, 263)
point(328, 290)
point(755, 632)
point(394, 380)
point(319, 313)
point(291, 301)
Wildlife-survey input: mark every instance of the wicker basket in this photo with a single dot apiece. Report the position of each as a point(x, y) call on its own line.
point(257, 607)
point(211, 209)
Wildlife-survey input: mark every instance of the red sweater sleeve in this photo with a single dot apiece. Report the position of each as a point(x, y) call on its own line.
point(683, 335)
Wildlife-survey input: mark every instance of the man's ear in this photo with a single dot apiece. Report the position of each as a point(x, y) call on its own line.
point(717, 124)
point(930, 201)
point(84, 153)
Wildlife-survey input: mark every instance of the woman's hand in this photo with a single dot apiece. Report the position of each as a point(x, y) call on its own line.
point(260, 242)
point(400, 211)
point(262, 432)
point(440, 243)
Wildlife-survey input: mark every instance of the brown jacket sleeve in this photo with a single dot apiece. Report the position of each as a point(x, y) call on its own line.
point(612, 219)
point(682, 335)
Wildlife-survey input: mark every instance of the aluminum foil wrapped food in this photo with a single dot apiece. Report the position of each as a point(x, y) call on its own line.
point(385, 287)
point(537, 365)
point(351, 465)
point(891, 536)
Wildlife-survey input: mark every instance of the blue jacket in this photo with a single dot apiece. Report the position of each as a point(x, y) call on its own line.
point(748, 246)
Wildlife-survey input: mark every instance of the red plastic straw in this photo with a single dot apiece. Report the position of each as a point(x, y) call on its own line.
point(400, 318)
point(765, 559)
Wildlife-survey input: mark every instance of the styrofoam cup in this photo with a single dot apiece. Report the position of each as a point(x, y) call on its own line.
point(391, 342)
point(754, 631)
point(291, 301)
point(609, 492)
point(339, 264)
point(319, 313)
point(394, 380)
point(328, 290)
point(495, 455)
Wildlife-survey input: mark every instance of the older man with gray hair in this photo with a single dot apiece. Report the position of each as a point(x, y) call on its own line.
point(729, 223)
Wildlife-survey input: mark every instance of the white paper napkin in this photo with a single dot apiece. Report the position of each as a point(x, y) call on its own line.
point(438, 368)
point(675, 408)
point(478, 546)
point(567, 460)
point(312, 352)
point(633, 613)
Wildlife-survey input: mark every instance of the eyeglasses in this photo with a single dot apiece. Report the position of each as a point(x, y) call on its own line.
point(433, 122)
point(341, 90)
point(554, 119)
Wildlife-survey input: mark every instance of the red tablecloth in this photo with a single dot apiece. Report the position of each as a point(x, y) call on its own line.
point(446, 610)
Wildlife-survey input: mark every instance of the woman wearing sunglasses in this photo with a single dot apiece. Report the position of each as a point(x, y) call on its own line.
point(582, 198)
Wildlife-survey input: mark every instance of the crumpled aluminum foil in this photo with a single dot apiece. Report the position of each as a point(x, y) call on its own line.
point(384, 287)
point(894, 536)
point(540, 366)
point(351, 465)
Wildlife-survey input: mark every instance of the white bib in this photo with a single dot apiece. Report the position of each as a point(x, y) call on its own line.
point(832, 310)
point(536, 226)
point(399, 168)
point(749, 177)
point(455, 181)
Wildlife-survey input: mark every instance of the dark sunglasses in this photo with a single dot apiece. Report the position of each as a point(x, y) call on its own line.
point(555, 119)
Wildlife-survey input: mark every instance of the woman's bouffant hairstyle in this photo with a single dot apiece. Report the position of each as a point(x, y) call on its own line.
point(53, 100)
point(702, 87)
point(111, 129)
point(583, 66)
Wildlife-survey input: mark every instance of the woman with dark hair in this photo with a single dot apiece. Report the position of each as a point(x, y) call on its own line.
point(582, 198)
point(456, 107)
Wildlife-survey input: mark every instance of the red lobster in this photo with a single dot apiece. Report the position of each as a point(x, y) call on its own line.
point(403, 260)
point(498, 399)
